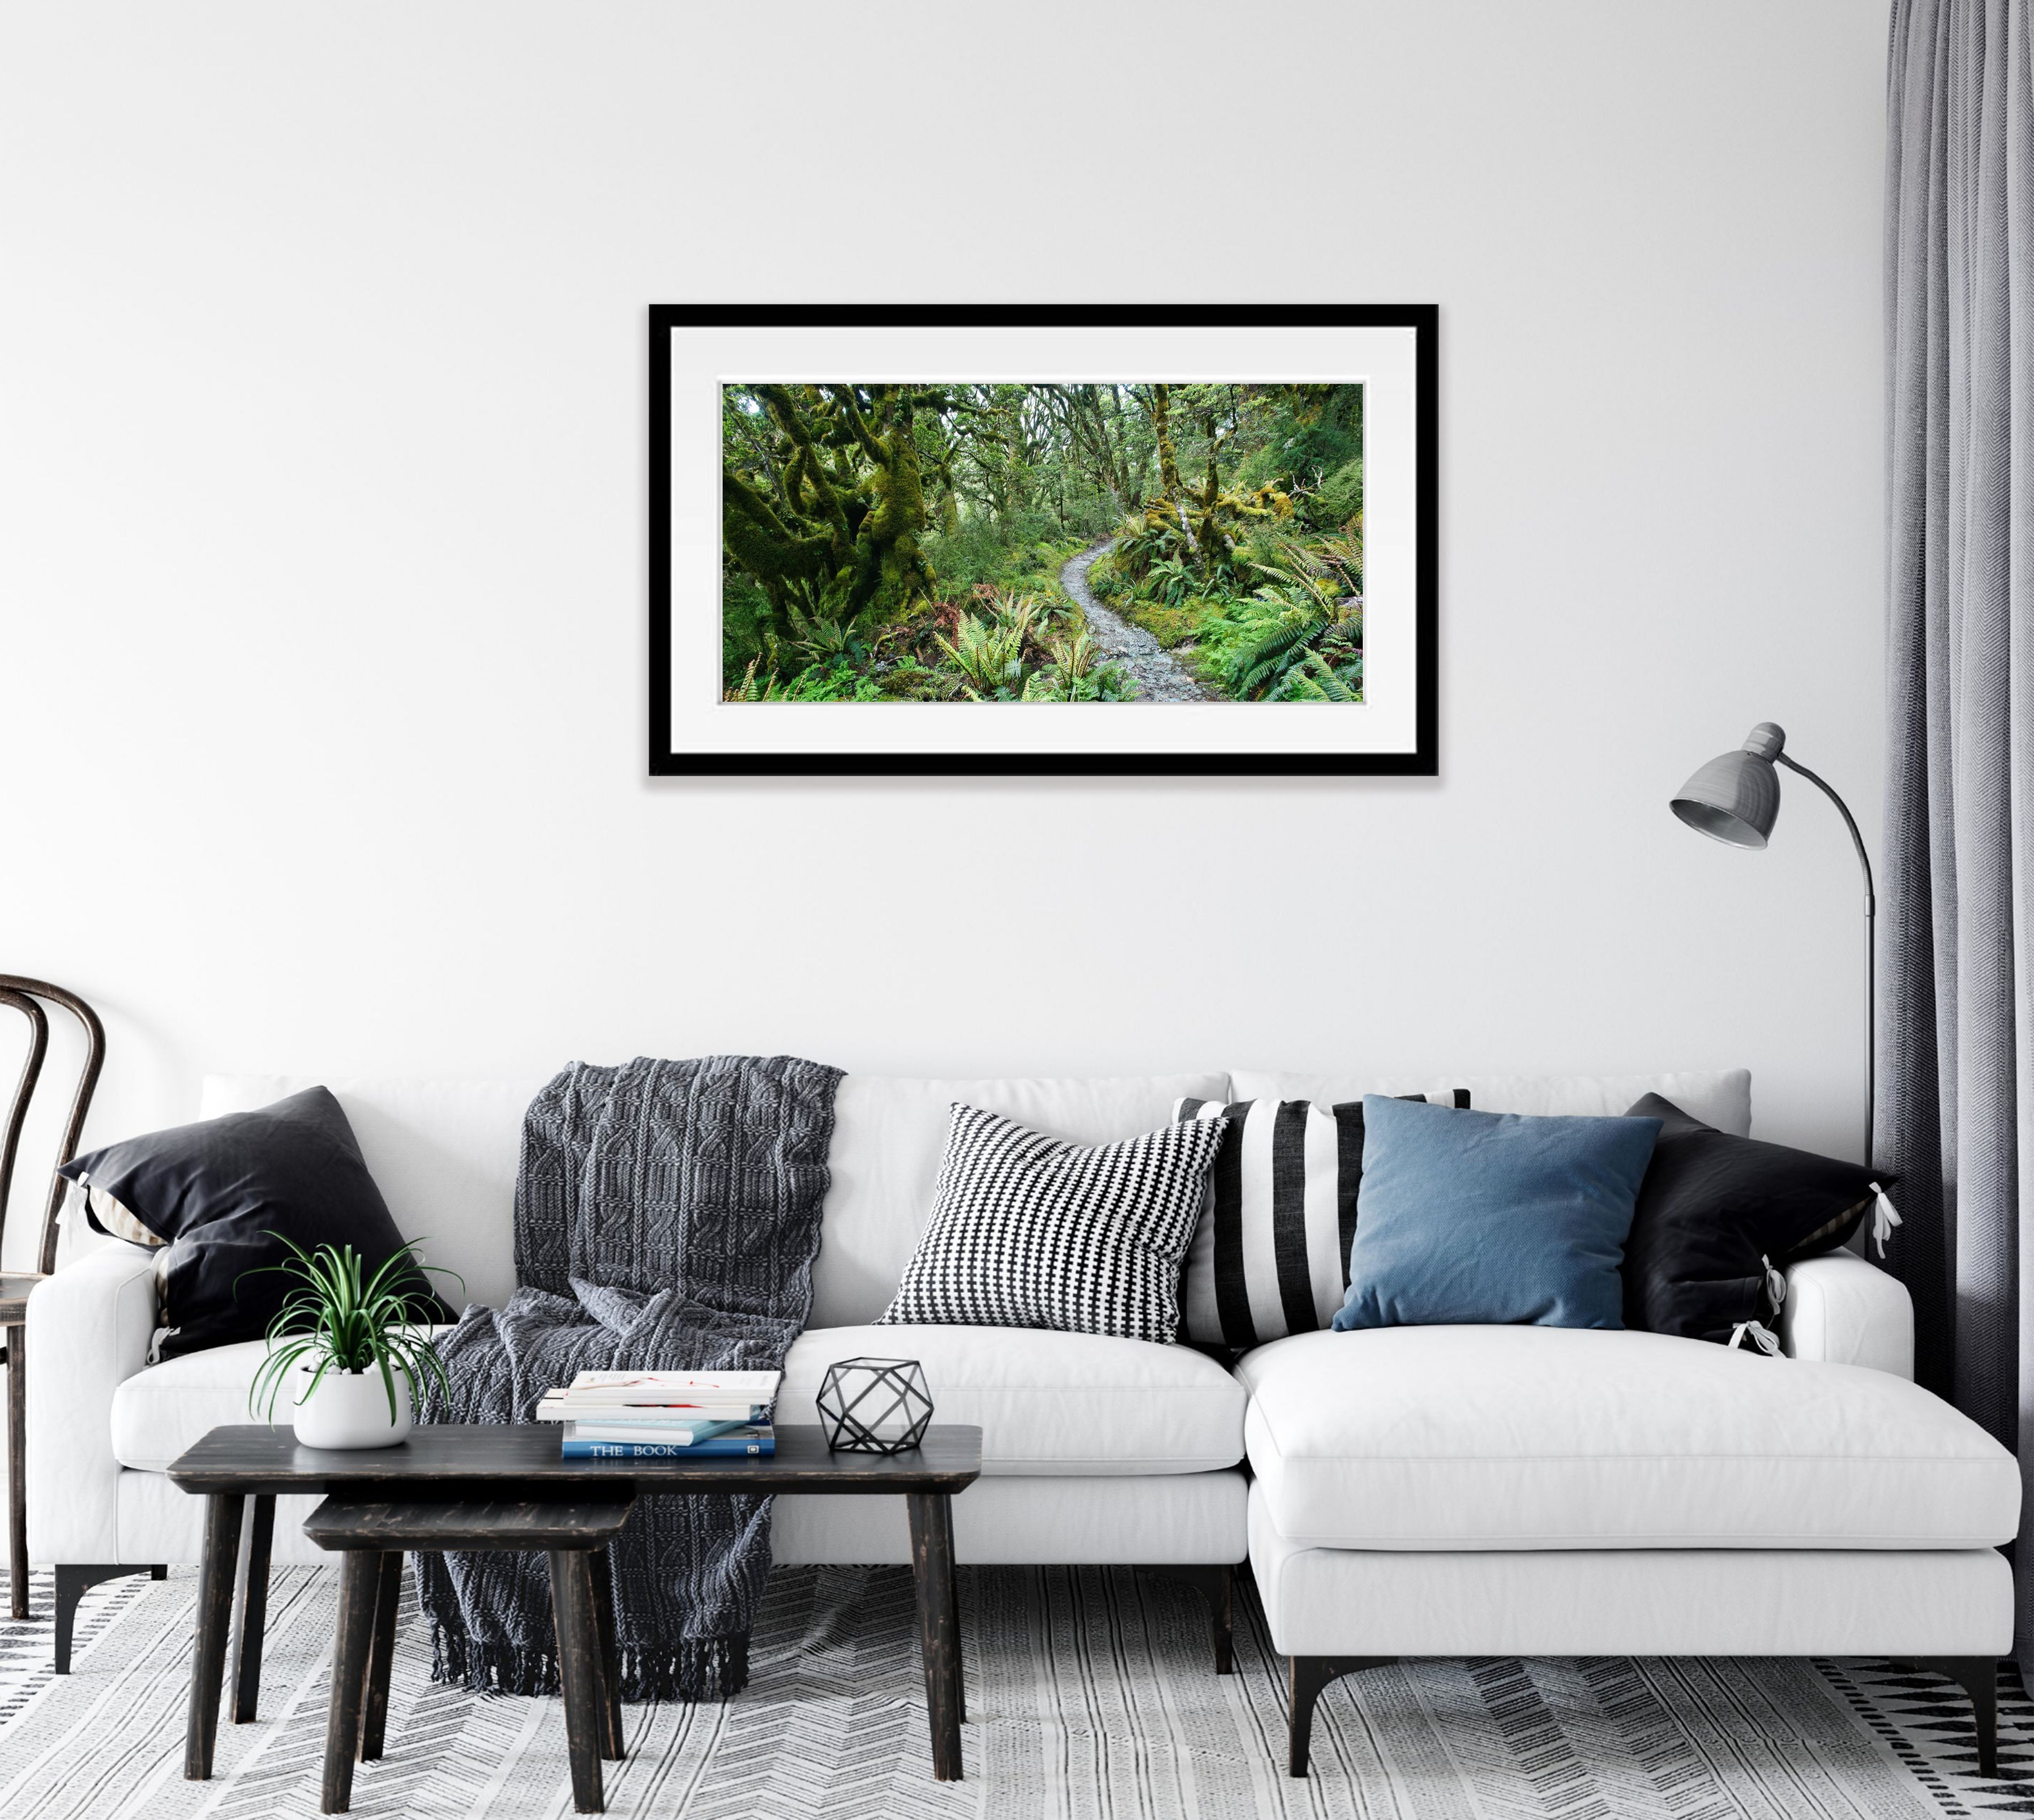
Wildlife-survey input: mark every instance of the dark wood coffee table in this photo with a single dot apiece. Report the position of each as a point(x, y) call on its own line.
point(457, 1462)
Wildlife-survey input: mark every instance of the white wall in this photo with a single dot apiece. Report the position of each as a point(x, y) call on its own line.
point(322, 526)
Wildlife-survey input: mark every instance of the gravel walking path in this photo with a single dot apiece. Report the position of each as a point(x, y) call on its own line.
point(1157, 675)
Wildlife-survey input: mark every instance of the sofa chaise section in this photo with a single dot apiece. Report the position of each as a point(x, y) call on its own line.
point(1529, 1437)
point(1548, 1492)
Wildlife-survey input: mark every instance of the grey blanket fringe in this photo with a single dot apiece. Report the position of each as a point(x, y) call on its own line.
point(667, 1215)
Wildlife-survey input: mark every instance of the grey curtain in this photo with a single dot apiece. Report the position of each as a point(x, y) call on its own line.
point(1956, 1110)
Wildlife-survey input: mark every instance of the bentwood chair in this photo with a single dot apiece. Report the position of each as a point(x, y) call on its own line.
point(25, 996)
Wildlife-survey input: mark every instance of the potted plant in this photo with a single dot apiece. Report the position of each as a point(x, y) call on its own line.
point(350, 1351)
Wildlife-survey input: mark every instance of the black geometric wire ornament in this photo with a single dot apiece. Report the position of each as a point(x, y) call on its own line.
point(875, 1406)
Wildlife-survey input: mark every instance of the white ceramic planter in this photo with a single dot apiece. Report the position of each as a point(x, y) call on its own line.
point(348, 1409)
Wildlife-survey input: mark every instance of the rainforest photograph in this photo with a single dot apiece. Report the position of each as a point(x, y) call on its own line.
point(1002, 542)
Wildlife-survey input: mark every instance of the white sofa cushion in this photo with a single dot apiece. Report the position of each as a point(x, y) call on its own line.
point(162, 1409)
point(165, 1409)
point(1048, 1404)
point(1051, 1405)
point(1439, 1438)
point(1718, 1097)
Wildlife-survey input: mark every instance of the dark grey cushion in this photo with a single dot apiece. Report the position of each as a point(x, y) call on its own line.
point(221, 1191)
point(1713, 1211)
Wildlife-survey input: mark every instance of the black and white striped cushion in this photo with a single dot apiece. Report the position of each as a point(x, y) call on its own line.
point(1030, 1232)
point(1269, 1254)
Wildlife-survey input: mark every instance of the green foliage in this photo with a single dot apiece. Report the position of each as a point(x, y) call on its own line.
point(1169, 582)
point(902, 543)
point(821, 640)
point(754, 688)
point(1339, 498)
point(1172, 626)
point(1315, 679)
point(1074, 674)
point(822, 495)
point(1031, 549)
point(839, 680)
point(1308, 607)
point(1309, 433)
point(1153, 537)
point(989, 653)
point(334, 1320)
point(1270, 644)
point(746, 619)
point(909, 680)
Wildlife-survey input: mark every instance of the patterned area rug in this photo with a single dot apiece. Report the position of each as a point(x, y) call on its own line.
point(1090, 1696)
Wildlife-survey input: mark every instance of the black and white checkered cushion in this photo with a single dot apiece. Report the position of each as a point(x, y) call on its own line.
point(1028, 1232)
point(1270, 1255)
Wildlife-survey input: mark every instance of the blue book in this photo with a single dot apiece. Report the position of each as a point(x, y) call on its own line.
point(721, 1447)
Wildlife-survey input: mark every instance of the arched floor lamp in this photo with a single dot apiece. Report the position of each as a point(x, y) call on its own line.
point(1735, 799)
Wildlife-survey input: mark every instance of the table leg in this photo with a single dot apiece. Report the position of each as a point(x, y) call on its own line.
point(388, 1597)
point(610, 1654)
point(953, 1605)
point(579, 1668)
point(359, 1575)
point(17, 1470)
point(938, 1626)
point(215, 1618)
point(253, 1613)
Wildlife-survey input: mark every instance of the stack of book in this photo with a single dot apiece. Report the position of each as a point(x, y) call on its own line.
point(664, 1415)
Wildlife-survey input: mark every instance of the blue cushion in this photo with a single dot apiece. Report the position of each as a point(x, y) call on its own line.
point(1472, 1218)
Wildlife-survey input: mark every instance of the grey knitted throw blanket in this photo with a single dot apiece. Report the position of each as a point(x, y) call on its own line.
point(667, 1214)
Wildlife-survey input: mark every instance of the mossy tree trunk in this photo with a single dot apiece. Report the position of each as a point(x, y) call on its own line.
point(1098, 437)
point(842, 538)
point(1209, 538)
point(1136, 462)
point(1161, 427)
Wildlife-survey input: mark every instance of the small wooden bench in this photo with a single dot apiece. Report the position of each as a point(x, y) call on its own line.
point(374, 1536)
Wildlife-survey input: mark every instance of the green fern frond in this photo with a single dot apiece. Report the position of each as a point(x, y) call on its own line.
point(1314, 679)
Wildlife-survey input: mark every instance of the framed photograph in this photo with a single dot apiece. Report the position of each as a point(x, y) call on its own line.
point(1043, 540)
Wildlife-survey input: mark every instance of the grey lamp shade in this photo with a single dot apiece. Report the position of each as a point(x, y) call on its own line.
point(1736, 797)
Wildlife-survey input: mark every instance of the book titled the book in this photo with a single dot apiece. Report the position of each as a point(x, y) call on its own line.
point(719, 1446)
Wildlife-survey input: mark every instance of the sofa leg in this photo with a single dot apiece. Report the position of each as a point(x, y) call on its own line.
point(73, 1582)
point(1217, 1585)
point(1978, 1676)
point(1308, 1676)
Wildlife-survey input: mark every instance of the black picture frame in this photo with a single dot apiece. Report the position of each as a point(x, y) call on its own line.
point(1423, 760)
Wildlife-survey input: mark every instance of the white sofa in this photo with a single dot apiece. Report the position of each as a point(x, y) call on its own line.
point(1441, 1491)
